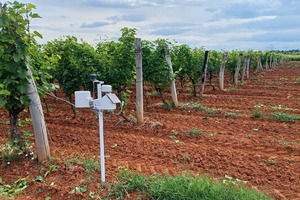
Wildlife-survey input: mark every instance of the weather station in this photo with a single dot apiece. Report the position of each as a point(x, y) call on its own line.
point(108, 102)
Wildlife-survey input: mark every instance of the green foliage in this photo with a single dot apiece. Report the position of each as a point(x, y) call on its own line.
point(174, 138)
point(232, 181)
point(75, 160)
point(231, 115)
point(270, 162)
point(297, 80)
point(280, 107)
point(232, 61)
point(169, 105)
point(78, 189)
point(194, 71)
point(231, 89)
point(52, 168)
point(45, 172)
point(3, 91)
point(118, 60)
point(15, 42)
point(127, 181)
point(257, 113)
point(41, 66)
point(183, 186)
point(181, 61)
point(91, 166)
point(287, 118)
point(214, 62)
point(9, 152)
point(12, 151)
point(73, 62)
point(199, 106)
point(293, 57)
point(12, 190)
point(194, 132)
point(17, 51)
point(155, 68)
point(253, 58)
point(265, 57)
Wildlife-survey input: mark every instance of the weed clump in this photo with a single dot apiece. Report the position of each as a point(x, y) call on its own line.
point(182, 186)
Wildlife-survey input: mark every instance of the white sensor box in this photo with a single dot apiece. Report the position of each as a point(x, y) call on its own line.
point(82, 99)
point(106, 88)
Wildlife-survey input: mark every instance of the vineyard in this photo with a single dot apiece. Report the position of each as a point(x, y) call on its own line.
point(222, 134)
point(231, 115)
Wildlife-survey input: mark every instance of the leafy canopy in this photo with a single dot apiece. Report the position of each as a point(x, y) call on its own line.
point(15, 41)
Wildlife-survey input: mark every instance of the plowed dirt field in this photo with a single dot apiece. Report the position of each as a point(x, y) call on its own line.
point(229, 139)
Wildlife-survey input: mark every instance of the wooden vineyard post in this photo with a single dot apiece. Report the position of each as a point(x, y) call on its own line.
point(281, 60)
point(271, 62)
point(259, 66)
point(204, 70)
point(139, 82)
point(267, 65)
point(248, 67)
point(38, 121)
point(237, 70)
point(244, 68)
point(173, 86)
point(274, 61)
point(222, 70)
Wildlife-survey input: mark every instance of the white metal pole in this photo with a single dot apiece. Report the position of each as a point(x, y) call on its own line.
point(101, 136)
point(102, 159)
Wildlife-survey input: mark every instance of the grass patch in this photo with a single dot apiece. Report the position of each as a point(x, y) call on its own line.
point(280, 107)
point(297, 80)
point(270, 162)
point(257, 113)
point(90, 165)
point(287, 118)
point(198, 106)
point(12, 151)
point(5, 123)
point(273, 83)
point(231, 89)
point(71, 161)
point(283, 79)
point(174, 138)
point(194, 132)
point(184, 186)
point(231, 115)
point(12, 190)
point(285, 143)
point(169, 105)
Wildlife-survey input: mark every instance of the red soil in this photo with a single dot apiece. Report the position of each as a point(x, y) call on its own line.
point(261, 151)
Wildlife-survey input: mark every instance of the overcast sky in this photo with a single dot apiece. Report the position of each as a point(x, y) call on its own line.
point(214, 24)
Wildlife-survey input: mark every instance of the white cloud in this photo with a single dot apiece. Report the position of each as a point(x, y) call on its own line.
point(217, 24)
point(233, 21)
